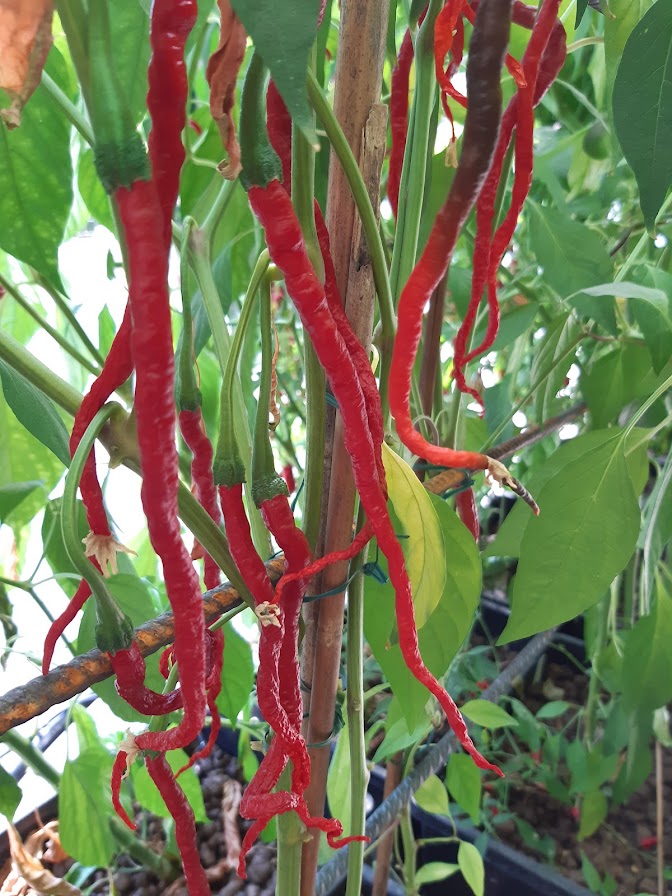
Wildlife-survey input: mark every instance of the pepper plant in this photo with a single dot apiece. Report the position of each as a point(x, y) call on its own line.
point(383, 309)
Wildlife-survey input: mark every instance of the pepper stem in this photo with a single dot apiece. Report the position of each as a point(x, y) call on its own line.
point(114, 629)
point(266, 483)
point(228, 467)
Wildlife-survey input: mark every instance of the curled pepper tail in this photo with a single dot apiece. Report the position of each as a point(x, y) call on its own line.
point(118, 771)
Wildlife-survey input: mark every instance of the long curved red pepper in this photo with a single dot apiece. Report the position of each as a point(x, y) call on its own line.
point(59, 625)
point(129, 667)
point(541, 63)
point(487, 51)
point(399, 86)
point(185, 825)
point(465, 503)
point(273, 208)
point(194, 434)
point(142, 219)
point(256, 578)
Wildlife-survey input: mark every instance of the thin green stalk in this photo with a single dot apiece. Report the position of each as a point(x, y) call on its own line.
point(68, 313)
point(303, 196)
point(227, 617)
point(328, 121)
point(199, 255)
point(408, 842)
point(642, 243)
point(114, 628)
point(73, 19)
point(59, 338)
point(25, 363)
point(413, 173)
point(592, 702)
point(359, 774)
point(218, 209)
point(68, 108)
point(34, 759)
point(138, 850)
point(290, 840)
point(652, 399)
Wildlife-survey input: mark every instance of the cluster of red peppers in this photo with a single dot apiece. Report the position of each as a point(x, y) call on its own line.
point(145, 191)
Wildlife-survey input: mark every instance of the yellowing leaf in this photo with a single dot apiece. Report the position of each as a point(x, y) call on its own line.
point(423, 545)
point(25, 39)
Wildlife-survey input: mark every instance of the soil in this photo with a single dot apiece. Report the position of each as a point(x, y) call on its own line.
point(614, 848)
point(220, 778)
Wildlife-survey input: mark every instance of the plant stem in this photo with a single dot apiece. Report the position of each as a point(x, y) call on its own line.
point(592, 701)
point(140, 851)
point(218, 209)
point(359, 774)
point(69, 110)
point(341, 147)
point(408, 841)
point(33, 757)
point(413, 174)
point(642, 243)
point(62, 340)
point(25, 363)
point(67, 312)
point(303, 197)
point(199, 256)
point(74, 19)
point(660, 819)
point(290, 830)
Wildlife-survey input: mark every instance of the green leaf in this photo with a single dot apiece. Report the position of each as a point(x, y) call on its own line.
point(339, 777)
point(136, 600)
point(13, 494)
point(471, 865)
point(129, 27)
point(87, 732)
point(92, 191)
point(85, 807)
point(655, 321)
point(23, 458)
point(553, 709)
point(284, 33)
point(237, 675)
point(626, 290)
point(581, 7)
point(36, 180)
point(552, 359)
point(642, 107)
point(656, 530)
point(106, 330)
point(54, 547)
point(36, 412)
point(616, 379)
point(148, 795)
point(10, 794)
point(463, 780)
point(512, 326)
point(434, 872)
point(590, 873)
point(622, 17)
point(487, 714)
point(585, 535)
point(509, 537)
point(446, 628)
point(594, 809)
point(432, 796)
point(424, 545)
point(572, 257)
point(647, 660)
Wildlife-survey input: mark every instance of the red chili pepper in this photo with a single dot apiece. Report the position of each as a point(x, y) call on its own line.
point(468, 512)
point(193, 432)
point(61, 622)
point(280, 131)
point(487, 50)
point(648, 843)
point(285, 243)
point(214, 685)
point(288, 476)
point(171, 24)
point(445, 27)
point(129, 667)
point(142, 220)
point(118, 772)
point(185, 825)
point(401, 76)
point(541, 71)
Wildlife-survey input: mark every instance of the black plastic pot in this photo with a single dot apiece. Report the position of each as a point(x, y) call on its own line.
point(507, 871)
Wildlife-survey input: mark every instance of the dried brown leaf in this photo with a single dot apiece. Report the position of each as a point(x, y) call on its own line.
point(25, 40)
point(222, 72)
point(30, 872)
